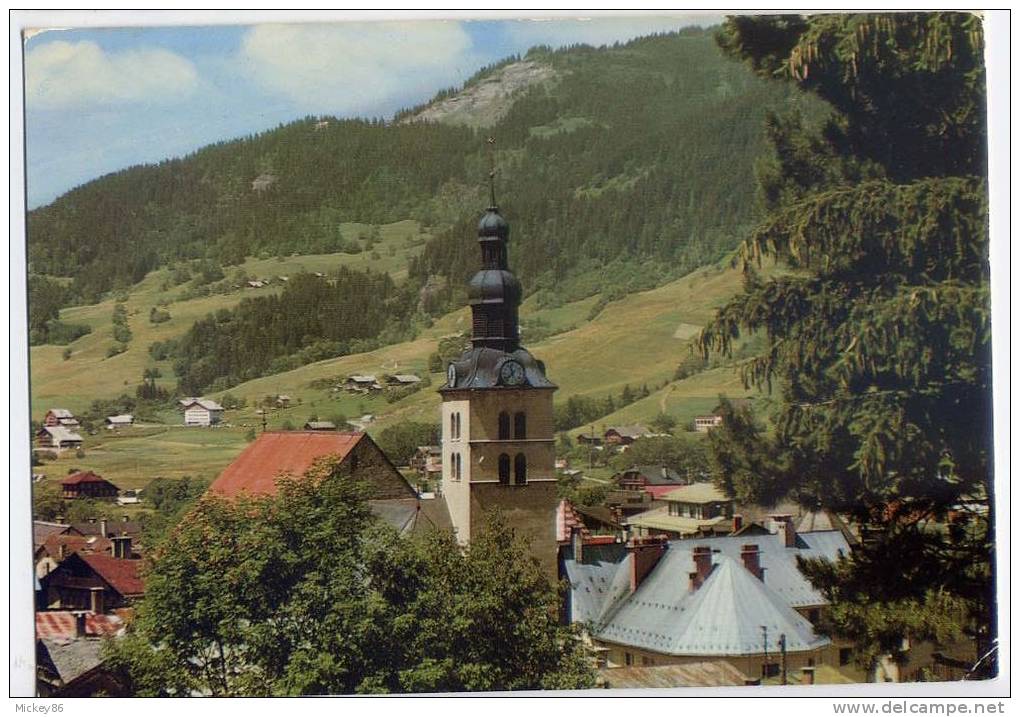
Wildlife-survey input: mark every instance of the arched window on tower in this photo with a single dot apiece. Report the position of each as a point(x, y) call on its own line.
point(520, 426)
point(453, 425)
point(504, 469)
point(504, 426)
point(520, 469)
point(457, 417)
point(456, 466)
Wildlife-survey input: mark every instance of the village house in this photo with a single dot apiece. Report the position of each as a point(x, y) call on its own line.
point(277, 455)
point(43, 529)
point(703, 424)
point(122, 421)
point(283, 401)
point(362, 384)
point(55, 549)
point(656, 480)
point(427, 461)
point(654, 602)
point(58, 438)
point(60, 417)
point(93, 581)
point(695, 510)
point(201, 412)
point(109, 528)
point(69, 654)
point(86, 484)
point(625, 435)
point(591, 438)
point(402, 380)
point(320, 426)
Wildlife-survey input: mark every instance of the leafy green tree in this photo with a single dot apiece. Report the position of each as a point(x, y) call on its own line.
point(400, 441)
point(663, 423)
point(877, 342)
point(307, 593)
point(686, 454)
point(47, 502)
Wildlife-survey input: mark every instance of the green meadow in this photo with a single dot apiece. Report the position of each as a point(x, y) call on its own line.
point(636, 341)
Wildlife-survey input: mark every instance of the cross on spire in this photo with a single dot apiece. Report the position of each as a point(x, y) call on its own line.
point(491, 141)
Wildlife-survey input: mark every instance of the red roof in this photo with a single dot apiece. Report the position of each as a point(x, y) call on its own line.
point(83, 477)
point(59, 624)
point(273, 455)
point(121, 574)
point(76, 544)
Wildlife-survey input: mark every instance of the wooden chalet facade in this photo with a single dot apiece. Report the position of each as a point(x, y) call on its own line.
point(86, 484)
point(95, 582)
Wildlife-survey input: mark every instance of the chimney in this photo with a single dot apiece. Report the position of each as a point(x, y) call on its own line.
point(702, 566)
point(61, 551)
point(79, 624)
point(102, 527)
point(738, 522)
point(752, 560)
point(97, 602)
point(577, 543)
point(59, 519)
point(645, 554)
point(790, 533)
point(122, 546)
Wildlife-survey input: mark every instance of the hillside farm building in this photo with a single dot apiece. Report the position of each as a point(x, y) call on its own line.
point(201, 412)
point(58, 438)
point(60, 417)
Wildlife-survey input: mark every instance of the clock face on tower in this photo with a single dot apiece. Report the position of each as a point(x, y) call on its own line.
point(451, 375)
point(511, 373)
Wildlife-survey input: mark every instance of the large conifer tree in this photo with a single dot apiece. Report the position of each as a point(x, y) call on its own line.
point(877, 333)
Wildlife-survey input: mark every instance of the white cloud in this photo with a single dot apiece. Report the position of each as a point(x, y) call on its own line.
point(356, 67)
point(600, 30)
point(68, 74)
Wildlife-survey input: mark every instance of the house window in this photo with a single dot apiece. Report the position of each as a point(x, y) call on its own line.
point(453, 425)
point(504, 469)
point(814, 615)
point(520, 426)
point(845, 655)
point(770, 669)
point(520, 469)
point(504, 426)
point(628, 659)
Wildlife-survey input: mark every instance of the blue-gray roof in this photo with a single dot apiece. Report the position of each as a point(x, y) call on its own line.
point(724, 616)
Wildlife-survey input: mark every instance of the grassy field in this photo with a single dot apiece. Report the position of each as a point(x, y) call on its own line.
point(88, 374)
point(638, 340)
point(132, 457)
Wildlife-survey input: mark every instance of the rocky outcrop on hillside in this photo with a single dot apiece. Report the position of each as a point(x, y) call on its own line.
point(485, 102)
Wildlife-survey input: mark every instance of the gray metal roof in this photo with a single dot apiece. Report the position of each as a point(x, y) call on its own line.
point(479, 367)
point(724, 616)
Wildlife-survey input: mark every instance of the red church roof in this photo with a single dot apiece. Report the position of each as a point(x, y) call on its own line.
point(273, 455)
point(122, 575)
point(83, 477)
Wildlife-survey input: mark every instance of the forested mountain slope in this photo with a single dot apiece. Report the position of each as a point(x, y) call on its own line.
point(642, 151)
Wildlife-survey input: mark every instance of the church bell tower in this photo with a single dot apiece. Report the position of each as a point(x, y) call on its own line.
point(497, 412)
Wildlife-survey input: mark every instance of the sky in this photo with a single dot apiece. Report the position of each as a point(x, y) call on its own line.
point(100, 100)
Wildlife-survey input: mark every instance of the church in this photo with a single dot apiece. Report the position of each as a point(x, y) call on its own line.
point(497, 412)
